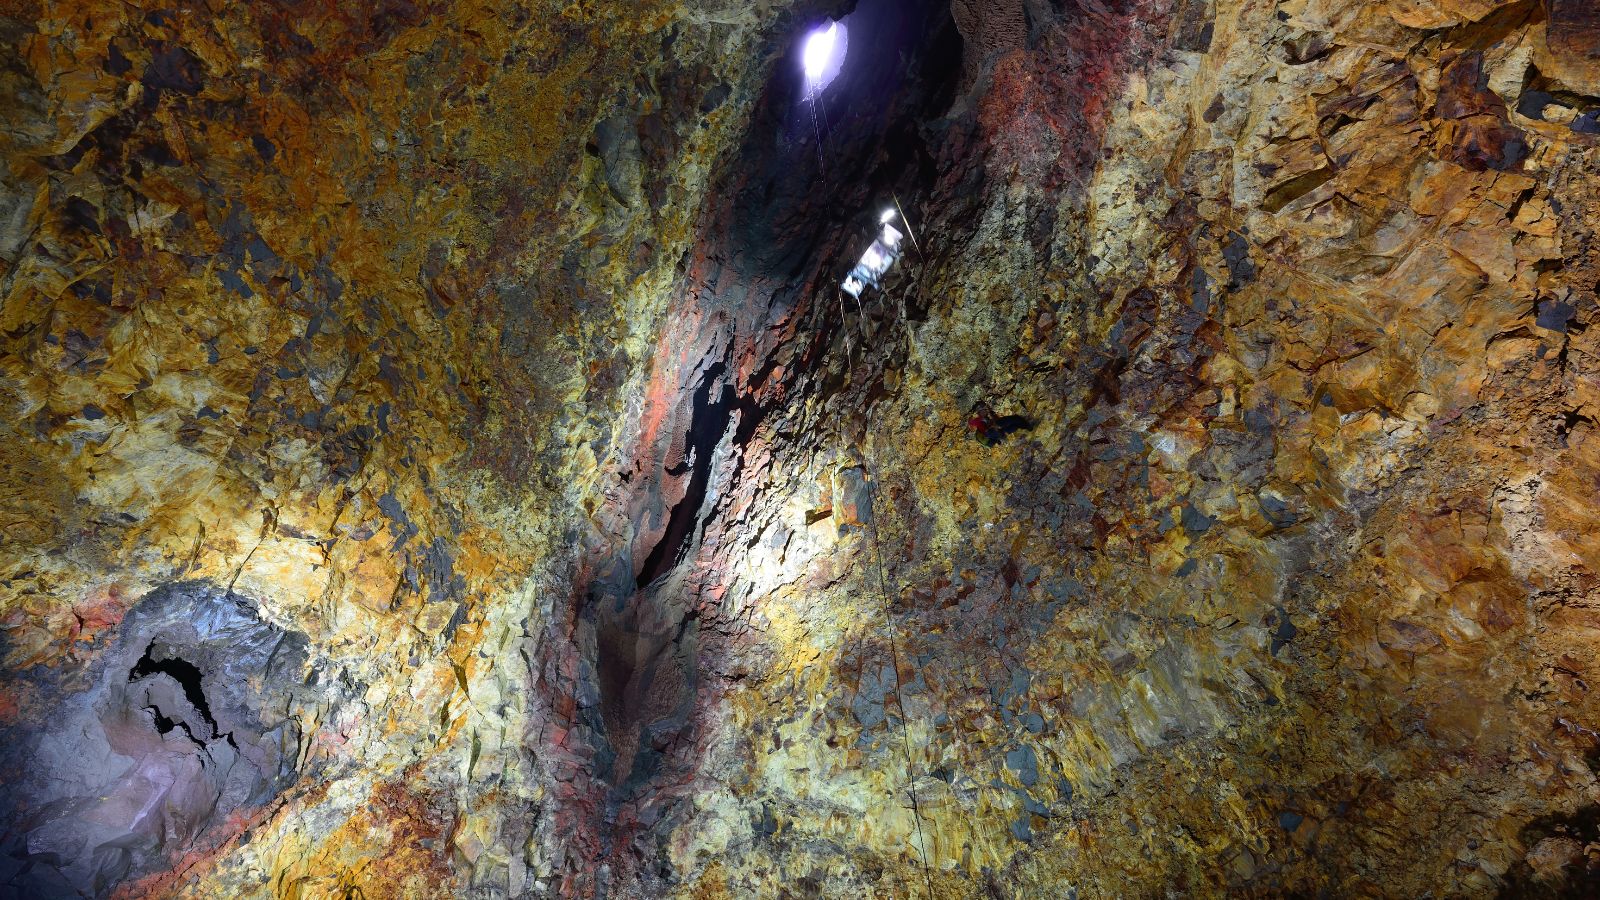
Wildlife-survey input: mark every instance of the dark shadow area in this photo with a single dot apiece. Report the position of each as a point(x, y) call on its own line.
point(187, 676)
point(645, 668)
point(1559, 864)
point(709, 421)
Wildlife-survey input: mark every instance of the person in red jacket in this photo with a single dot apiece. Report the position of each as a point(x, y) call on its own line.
point(992, 429)
point(978, 422)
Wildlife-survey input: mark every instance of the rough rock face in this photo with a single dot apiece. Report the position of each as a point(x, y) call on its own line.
point(202, 696)
point(440, 462)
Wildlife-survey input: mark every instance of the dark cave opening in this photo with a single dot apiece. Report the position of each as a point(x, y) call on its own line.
point(188, 678)
point(202, 693)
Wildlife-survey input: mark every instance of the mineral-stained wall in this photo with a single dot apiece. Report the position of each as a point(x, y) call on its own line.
point(438, 462)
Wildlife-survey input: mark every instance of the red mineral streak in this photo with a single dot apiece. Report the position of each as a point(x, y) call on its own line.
point(1045, 112)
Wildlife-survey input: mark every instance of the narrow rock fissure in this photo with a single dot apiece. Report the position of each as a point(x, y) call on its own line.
point(781, 240)
point(708, 423)
point(165, 725)
point(187, 676)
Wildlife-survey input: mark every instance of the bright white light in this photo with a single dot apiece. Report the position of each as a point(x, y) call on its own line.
point(886, 216)
point(876, 261)
point(819, 49)
point(823, 56)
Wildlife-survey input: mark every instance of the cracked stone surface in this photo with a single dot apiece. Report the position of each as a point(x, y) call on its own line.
point(159, 747)
point(439, 462)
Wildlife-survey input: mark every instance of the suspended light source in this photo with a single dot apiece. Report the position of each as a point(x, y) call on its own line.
point(822, 56)
point(878, 258)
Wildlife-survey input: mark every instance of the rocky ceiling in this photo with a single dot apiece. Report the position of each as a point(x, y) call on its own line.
point(439, 462)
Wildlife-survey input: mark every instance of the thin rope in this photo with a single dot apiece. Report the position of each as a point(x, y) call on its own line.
point(883, 593)
point(822, 165)
point(872, 518)
point(861, 313)
point(920, 271)
point(827, 120)
point(909, 232)
point(894, 658)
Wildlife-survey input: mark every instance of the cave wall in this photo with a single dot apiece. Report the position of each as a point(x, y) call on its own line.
point(338, 308)
point(489, 352)
point(1290, 588)
point(117, 762)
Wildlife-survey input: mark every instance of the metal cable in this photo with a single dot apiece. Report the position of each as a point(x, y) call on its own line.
point(894, 658)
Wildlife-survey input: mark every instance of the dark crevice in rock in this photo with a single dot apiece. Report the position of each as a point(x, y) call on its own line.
point(708, 422)
point(165, 725)
point(1295, 188)
point(185, 674)
point(764, 330)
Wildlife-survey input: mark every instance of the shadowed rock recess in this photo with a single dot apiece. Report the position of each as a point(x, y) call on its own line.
point(440, 461)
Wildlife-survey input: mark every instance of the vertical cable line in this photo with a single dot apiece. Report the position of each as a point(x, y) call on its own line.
point(888, 616)
point(813, 98)
point(894, 658)
point(822, 165)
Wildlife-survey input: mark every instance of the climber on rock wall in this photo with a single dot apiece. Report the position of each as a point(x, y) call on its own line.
point(992, 429)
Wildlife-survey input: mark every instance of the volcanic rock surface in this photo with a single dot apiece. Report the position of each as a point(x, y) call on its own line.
point(440, 462)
